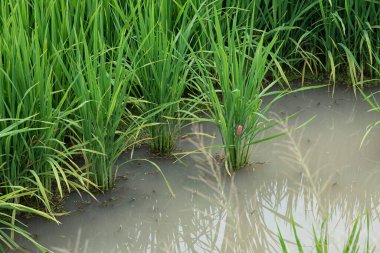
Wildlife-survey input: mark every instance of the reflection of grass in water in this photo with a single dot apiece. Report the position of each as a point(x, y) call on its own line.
point(236, 215)
point(224, 231)
point(233, 218)
point(321, 242)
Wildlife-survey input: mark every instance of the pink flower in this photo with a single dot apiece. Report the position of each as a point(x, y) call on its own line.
point(239, 130)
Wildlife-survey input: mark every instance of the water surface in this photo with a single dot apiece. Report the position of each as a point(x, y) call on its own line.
point(315, 174)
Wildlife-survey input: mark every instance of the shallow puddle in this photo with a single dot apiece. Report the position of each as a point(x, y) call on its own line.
point(316, 173)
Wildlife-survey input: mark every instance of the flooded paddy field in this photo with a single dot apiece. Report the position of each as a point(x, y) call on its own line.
point(315, 173)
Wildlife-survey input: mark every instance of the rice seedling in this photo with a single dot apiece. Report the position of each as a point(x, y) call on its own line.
point(158, 52)
point(102, 88)
point(33, 150)
point(237, 100)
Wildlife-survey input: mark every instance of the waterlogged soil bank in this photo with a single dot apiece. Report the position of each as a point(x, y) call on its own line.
point(314, 173)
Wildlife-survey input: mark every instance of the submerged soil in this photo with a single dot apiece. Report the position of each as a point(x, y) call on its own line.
point(315, 173)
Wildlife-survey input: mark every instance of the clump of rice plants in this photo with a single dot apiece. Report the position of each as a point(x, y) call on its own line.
point(102, 89)
point(236, 90)
point(158, 52)
point(337, 38)
point(33, 127)
point(35, 162)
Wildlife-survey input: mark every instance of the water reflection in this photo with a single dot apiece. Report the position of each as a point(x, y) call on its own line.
point(316, 173)
point(241, 213)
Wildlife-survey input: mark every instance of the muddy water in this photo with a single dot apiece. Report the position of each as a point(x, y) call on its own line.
point(316, 173)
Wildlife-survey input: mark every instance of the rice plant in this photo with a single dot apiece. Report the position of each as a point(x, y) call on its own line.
point(102, 87)
point(32, 144)
point(158, 52)
point(236, 92)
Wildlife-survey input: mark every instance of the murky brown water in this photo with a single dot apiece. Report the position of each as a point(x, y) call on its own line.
point(311, 173)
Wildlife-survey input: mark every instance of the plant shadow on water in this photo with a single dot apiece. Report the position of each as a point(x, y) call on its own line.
point(315, 174)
